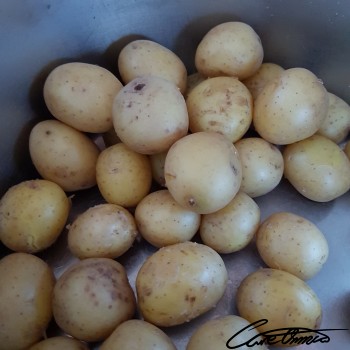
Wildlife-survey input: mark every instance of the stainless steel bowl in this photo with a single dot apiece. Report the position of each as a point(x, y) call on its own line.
point(38, 35)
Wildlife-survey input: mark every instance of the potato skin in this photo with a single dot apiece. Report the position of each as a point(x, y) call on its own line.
point(91, 298)
point(33, 213)
point(63, 155)
point(26, 285)
point(81, 95)
point(59, 343)
point(137, 334)
point(180, 282)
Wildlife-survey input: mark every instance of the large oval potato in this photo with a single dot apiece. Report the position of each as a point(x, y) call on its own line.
point(146, 57)
point(136, 335)
point(317, 168)
point(203, 171)
point(26, 284)
point(290, 108)
point(282, 299)
point(150, 114)
point(180, 282)
point(292, 243)
point(91, 298)
point(220, 104)
point(33, 213)
point(81, 95)
point(60, 343)
point(63, 155)
point(229, 49)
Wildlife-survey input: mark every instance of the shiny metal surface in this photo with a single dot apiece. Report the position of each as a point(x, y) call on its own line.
point(37, 35)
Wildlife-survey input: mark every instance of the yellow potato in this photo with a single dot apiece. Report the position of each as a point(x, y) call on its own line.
point(150, 114)
point(63, 155)
point(266, 73)
point(203, 172)
point(292, 243)
point(59, 343)
point(180, 282)
point(91, 298)
point(81, 95)
point(229, 49)
point(262, 165)
point(291, 108)
point(231, 228)
point(162, 221)
point(336, 126)
point(146, 57)
point(136, 335)
point(26, 284)
point(33, 213)
point(123, 176)
point(281, 298)
point(220, 104)
point(102, 231)
point(317, 168)
point(157, 165)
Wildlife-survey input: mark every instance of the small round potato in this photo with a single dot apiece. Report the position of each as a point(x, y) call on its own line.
point(231, 228)
point(266, 73)
point(33, 213)
point(91, 298)
point(262, 165)
point(59, 343)
point(136, 335)
point(150, 114)
point(81, 95)
point(180, 282)
point(162, 221)
point(291, 108)
point(102, 231)
point(220, 104)
point(26, 284)
point(146, 57)
point(157, 165)
point(225, 332)
point(63, 155)
point(292, 243)
point(317, 168)
point(123, 176)
point(229, 49)
point(279, 297)
point(203, 172)
point(336, 126)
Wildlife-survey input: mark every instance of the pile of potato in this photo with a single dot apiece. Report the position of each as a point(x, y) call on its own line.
point(183, 154)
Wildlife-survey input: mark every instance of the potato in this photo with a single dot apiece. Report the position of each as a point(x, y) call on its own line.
point(291, 108)
point(192, 81)
point(229, 49)
point(59, 343)
point(266, 73)
point(282, 299)
point(63, 155)
point(203, 172)
point(336, 126)
point(317, 168)
point(33, 213)
point(220, 104)
point(150, 114)
point(180, 282)
point(162, 221)
point(231, 228)
point(123, 176)
point(157, 166)
point(136, 335)
point(91, 298)
point(102, 231)
point(292, 243)
point(81, 95)
point(262, 166)
point(146, 57)
point(224, 332)
point(26, 284)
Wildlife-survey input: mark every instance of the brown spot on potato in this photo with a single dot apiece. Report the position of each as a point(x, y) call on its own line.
point(139, 87)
